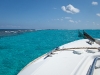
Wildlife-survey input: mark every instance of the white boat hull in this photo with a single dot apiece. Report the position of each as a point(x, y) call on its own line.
point(74, 58)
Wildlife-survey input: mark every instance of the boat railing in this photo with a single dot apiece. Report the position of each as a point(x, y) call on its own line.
point(78, 48)
point(93, 66)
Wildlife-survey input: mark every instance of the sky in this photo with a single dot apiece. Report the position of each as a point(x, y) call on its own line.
point(49, 14)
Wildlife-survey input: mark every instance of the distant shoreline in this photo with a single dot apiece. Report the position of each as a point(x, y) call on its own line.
point(11, 32)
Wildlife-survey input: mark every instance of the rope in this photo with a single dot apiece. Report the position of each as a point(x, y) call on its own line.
point(79, 48)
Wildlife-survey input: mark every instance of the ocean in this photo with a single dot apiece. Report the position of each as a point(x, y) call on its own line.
point(18, 48)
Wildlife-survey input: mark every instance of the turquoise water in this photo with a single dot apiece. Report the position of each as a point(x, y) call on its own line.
point(17, 51)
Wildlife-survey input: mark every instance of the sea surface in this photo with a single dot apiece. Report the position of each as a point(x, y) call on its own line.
point(16, 51)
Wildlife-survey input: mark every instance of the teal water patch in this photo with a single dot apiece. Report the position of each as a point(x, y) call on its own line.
point(17, 51)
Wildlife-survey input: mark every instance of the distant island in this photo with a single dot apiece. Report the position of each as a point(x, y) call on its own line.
point(8, 32)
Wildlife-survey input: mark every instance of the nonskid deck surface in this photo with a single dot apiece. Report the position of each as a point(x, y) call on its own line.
point(64, 61)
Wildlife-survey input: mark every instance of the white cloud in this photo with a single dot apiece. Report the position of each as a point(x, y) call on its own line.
point(57, 19)
point(71, 21)
point(79, 20)
point(94, 3)
point(70, 9)
point(67, 17)
point(54, 8)
point(61, 19)
point(98, 14)
point(93, 22)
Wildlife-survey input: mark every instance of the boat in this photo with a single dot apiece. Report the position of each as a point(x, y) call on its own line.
point(80, 57)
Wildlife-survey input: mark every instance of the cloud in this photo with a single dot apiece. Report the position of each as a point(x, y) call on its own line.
point(94, 3)
point(71, 21)
point(54, 8)
point(57, 19)
point(97, 24)
point(79, 20)
point(70, 9)
point(93, 22)
point(61, 19)
point(98, 14)
point(67, 17)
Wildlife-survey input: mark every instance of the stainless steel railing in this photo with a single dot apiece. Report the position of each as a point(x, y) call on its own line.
point(92, 67)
